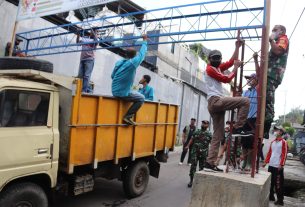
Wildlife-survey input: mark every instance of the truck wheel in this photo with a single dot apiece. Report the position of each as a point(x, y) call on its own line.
point(16, 63)
point(24, 195)
point(136, 179)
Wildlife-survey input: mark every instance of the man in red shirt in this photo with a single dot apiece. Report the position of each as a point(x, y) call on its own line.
point(276, 159)
point(218, 103)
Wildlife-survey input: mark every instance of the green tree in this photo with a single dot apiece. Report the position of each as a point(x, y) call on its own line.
point(199, 50)
point(286, 124)
point(290, 131)
point(294, 116)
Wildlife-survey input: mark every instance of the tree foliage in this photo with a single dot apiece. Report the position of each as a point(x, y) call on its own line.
point(199, 50)
point(294, 116)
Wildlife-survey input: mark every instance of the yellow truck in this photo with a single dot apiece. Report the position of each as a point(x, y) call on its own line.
point(54, 139)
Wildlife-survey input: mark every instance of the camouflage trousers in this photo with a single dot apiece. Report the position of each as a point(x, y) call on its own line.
point(198, 154)
point(269, 113)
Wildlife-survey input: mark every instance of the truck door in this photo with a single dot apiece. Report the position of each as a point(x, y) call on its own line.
point(26, 135)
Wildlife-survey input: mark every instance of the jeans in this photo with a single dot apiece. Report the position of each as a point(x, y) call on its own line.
point(85, 70)
point(137, 99)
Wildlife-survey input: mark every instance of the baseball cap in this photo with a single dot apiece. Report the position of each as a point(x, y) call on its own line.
point(253, 75)
point(205, 121)
point(19, 39)
point(214, 53)
point(279, 128)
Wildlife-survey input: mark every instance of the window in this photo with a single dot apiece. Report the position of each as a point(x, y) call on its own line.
point(23, 108)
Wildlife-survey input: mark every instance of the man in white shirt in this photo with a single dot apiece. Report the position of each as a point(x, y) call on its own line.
point(276, 159)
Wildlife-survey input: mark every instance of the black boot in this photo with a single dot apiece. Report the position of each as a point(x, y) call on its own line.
point(271, 197)
point(190, 183)
point(279, 202)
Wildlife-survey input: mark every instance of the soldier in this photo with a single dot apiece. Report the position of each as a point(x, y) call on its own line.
point(188, 132)
point(276, 68)
point(200, 145)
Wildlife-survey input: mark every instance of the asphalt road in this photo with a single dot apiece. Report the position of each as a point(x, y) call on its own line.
point(169, 190)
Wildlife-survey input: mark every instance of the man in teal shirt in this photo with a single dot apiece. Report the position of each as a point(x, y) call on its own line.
point(147, 91)
point(123, 77)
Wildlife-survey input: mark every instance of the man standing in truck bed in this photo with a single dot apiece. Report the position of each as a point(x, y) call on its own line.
point(123, 77)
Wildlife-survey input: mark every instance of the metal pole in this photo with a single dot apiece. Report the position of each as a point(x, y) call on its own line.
point(232, 119)
point(285, 107)
point(261, 100)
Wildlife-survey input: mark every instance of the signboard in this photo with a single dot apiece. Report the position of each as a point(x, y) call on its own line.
point(37, 8)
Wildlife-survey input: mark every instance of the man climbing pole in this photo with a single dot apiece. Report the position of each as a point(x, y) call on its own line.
point(218, 103)
point(278, 56)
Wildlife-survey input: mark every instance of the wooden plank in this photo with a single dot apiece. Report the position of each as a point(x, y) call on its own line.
point(175, 127)
point(97, 131)
point(134, 139)
point(74, 120)
point(156, 129)
point(119, 120)
point(166, 127)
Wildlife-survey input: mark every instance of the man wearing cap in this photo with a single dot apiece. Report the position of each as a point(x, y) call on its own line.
point(188, 132)
point(218, 103)
point(16, 50)
point(278, 56)
point(251, 94)
point(200, 146)
point(276, 159)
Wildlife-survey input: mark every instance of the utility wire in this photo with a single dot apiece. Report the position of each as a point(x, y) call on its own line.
point(297, 23)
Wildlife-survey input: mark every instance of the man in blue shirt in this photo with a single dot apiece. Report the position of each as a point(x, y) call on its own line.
point(251, 93)
point(123, 77)
point(147, 91)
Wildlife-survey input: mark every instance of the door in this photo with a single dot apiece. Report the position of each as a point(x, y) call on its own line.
point(26, 135)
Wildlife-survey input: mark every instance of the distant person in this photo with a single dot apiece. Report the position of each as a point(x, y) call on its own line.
point(16, 51)
point(186, 137)
point(200, 146)
point(147, 91)
point(87, 57)
point(278, 56)
point(276, 159)
point(123, 77)
point(218, 103)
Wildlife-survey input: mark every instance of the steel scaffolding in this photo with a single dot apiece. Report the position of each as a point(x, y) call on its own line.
point(206, 21)
point(187, 23)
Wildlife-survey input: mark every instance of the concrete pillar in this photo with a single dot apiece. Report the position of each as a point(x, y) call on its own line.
point(230, 190)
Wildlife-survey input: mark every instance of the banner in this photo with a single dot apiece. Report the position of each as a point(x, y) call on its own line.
point(37, 8)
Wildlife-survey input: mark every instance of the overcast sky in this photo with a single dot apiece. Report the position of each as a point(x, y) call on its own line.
point(285, 12)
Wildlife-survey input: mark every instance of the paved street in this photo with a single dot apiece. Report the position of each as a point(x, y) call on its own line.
point(167, 191)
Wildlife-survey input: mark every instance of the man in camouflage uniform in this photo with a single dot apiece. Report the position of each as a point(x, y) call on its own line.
point(276, 68)
point(200, 145)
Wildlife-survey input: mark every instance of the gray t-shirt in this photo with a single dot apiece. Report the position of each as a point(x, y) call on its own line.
point(88, 49)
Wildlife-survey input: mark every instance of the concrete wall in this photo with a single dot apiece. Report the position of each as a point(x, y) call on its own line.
point(166, 90)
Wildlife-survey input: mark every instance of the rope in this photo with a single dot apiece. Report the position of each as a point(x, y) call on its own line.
point(297, 24)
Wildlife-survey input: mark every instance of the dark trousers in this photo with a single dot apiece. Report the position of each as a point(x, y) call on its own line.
point(183, 154)
point(138, 101)
point(277, 182)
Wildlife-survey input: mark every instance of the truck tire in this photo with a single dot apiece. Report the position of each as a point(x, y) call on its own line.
point(136, 179)
point(24, 195)
point(16, 63)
